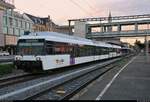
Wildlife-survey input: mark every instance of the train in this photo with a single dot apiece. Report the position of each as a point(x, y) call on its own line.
point(44, 51)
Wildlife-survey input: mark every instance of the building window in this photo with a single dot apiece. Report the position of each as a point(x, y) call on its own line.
point(17, 32)
point(4, 20)
point(5, 30)
point(30, 26)
point(5, 12)
point(16, 22)
point(11, 31)
point(9, 12)
point(19, 23)
point(22, 32)
point(27, 25)
point(23, 24)
point(10, 21)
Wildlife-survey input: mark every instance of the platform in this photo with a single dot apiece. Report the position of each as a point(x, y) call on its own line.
point(131, 83)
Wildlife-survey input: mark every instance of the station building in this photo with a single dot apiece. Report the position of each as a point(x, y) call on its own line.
point(14, 25)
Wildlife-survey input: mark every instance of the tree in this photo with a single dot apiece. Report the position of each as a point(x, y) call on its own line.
point(139, 44)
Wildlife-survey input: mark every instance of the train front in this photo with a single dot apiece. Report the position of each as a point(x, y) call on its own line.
point(29, 54)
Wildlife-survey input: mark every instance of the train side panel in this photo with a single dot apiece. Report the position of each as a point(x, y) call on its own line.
point(55, 61)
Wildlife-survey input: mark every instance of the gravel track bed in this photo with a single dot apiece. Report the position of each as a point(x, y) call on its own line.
point(61, 91)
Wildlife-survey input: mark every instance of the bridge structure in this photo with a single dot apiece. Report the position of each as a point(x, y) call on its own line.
point(118, 26)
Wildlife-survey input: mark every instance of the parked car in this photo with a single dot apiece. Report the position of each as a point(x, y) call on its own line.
point(4, 53)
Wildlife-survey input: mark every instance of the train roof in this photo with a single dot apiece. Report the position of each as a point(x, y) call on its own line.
point(59, 37)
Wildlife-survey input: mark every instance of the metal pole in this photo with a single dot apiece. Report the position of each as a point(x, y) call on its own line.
point(147, 46)
point(147, 42)
point(69, 27)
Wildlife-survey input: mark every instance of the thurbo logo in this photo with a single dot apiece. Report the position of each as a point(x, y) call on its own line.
point(59, 61)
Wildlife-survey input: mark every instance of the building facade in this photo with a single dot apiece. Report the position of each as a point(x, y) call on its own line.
point(4, 5)
point(14, 25)
point(46, 24)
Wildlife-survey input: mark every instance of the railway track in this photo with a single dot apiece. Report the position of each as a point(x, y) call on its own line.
point(18, 79)
point(66, 90)
point(59, 87)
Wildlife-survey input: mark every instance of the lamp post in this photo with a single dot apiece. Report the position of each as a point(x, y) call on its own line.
point(147, 42)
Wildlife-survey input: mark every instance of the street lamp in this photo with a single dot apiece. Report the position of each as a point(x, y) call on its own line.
point(146, 41)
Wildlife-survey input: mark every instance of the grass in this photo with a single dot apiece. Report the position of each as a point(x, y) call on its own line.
point(6, 69)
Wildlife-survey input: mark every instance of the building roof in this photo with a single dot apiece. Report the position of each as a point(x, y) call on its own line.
point(9, 4)
point(21, 16)
point(39, 20)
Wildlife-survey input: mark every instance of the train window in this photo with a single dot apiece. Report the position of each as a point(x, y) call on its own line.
point(31, 47)
point(77, 51)
point(104, 50)
point(49, 50)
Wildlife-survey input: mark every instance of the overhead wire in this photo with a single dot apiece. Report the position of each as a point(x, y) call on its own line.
point(92, 6)
point(83, 9)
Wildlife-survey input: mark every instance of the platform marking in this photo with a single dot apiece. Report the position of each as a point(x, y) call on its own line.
point(109, 84)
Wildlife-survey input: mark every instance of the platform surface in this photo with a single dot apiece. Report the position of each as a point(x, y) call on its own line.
point(133, 83)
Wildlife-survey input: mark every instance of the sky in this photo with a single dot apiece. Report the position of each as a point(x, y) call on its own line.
point(62, 10)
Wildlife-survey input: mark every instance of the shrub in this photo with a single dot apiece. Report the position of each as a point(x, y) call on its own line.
point(6, 69)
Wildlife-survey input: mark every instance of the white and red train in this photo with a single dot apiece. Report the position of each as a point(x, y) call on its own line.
point(49, 50)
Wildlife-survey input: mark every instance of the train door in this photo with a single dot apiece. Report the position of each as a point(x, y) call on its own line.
point(72, 55)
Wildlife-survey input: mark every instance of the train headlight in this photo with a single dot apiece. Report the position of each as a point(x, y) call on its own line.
point(38, 58)
point(17, 58)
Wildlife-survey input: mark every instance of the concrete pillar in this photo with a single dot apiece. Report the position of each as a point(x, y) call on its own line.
point(102, 29)
point(105, 29)
point(147, 46)
point(136, 27)
point(109, 28)
point(119, 28)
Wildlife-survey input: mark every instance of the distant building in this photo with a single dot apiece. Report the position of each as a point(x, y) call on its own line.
point(42, 24)
point(14, 25)
point(64, 29)
point(46, 24)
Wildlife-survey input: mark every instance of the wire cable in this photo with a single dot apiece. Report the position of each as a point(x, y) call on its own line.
point(84, 10)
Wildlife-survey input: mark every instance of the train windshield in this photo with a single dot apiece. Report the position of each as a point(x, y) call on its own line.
point(30, 47)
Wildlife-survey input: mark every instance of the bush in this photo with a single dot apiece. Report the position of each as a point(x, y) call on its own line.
point(6, 69)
